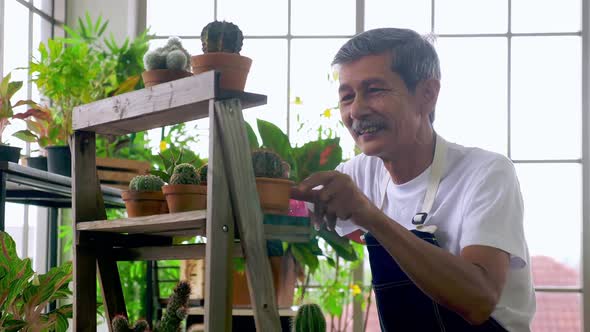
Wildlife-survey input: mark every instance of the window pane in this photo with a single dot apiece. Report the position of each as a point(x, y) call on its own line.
point(552, 201)
point(268, 76)
point(558, 312)
point(326, 17)
point(41, 32)
point(410, 14)
point(546, 15)
point(471, 107)
point(312, 84)
point(14, 224)
point(178, 17)
point(546, 81)
point(471, 16)
point(44, 5)
point(246, 15)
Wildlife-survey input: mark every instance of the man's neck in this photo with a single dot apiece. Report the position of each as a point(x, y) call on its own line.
point(415, 160)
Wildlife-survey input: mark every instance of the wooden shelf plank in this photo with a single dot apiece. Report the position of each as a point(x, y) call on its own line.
point(192, 220)
point(284, 312)
point(184, 251)
point(164, 104)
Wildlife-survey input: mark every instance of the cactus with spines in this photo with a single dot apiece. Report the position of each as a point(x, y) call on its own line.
point(176, 312)
point(203, 171)
point(170, 56)
point(268, 164)
point(309, 318)
point(185, 174)
point(221, 36)
point(146, 183)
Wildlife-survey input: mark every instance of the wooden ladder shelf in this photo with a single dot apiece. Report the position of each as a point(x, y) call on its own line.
point(99, 243)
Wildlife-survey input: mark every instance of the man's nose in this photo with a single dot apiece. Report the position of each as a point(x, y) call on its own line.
point(359, 107)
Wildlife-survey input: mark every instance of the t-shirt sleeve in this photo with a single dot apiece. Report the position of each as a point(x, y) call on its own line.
point(493, 212)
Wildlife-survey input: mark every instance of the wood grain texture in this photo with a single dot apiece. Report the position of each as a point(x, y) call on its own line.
point(220, 237)
point(159, 223)
point(123, 164)
point(180, 252)
point(84, 289)
point(240, 176)
point(110, 281)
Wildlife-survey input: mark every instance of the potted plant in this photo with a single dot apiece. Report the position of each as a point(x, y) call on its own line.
point(272, 181)
point(183, 193)
point(167, 63)
point(25, 295)
point(176, 312)
point(203, 173)
point(7, 90)
point(38, 119)
point(145, 197)
point(221, 45)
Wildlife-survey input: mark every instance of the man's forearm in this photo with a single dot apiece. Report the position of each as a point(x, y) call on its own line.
point(448, 279)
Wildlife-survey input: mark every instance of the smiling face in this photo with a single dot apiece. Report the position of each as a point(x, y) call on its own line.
point(381, 114)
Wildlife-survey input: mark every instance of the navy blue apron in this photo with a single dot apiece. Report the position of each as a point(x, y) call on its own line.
point(401, 305)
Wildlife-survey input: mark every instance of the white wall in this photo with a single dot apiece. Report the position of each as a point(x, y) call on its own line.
point(122, 15)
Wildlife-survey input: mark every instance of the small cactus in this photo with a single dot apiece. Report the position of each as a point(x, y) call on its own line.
point(268, 164)
point(185, 174)
point(120, 324)
point(203, 170)
point(309, 318)
point(146, 183)
point(222, 36)
point(176, 310)
point(170, 56)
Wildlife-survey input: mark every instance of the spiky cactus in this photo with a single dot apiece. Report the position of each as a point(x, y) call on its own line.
point(222, 36)
point(170, 56)
point(121, 324)
point(176, 310)
point(185, 174)
point(203, 171)
point(146, 183)
point(268, 164)
point(309, 318)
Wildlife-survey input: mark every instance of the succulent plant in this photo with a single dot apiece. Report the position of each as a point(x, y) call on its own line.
point(203, 171)
point(185, 174)
point(309, 318)
point(146, 183)
point(222, 36)
point(170, 56)
point(268, 164)
point(176, 312)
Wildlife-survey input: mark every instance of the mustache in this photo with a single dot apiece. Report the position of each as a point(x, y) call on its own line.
point(358, 125)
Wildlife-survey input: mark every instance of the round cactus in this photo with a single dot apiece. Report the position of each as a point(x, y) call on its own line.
point(203, 171)
point(221, 36)
point(309, 318)
point(185, 174)
point(120, 324)
point(170, 56)
point(146, 183)
point(268, 164)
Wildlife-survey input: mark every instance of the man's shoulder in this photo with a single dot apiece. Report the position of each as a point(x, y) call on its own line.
point(474, 160)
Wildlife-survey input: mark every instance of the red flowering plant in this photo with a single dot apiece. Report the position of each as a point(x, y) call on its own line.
point(323, 154)
point(39, 129)
point(7, 90)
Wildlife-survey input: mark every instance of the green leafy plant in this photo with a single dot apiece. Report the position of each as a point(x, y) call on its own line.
point(24, 295)
point(221, 36)
point(38, 120)
point(309, 318)
point(170, 56)
point(176, 312)
point(146, 183)
point(7, 90)
point(185, 174)
point(170, 159)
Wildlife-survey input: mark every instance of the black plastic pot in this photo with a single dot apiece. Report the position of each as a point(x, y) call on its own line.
point(9, 153)
point(59, 160)
point(37, 162)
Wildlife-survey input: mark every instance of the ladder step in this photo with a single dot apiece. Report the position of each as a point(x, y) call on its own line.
point(180, 252)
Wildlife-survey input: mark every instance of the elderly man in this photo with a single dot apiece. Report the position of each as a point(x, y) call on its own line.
point(443, 223)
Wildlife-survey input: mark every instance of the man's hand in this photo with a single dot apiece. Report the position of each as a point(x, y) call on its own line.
point(338, 197)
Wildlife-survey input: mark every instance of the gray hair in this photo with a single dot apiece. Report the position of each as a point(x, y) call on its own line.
point(414, 56)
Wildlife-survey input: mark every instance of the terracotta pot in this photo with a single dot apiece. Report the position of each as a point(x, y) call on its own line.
point(185, 197)
point(233, 67)
point(157, 76)
point(144, 203)
point(274, 195)
point(284, 278)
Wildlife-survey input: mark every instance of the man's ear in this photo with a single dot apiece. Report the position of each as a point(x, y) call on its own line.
point(427, 94)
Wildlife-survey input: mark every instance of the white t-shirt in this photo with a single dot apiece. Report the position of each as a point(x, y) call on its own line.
point(478, 202)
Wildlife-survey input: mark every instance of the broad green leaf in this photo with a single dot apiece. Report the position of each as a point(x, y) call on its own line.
point(341, 245)
point(13, 87)
point(128, 85)
point(252, 139)
point(26, 136)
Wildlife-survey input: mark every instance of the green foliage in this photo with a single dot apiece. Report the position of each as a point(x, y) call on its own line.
point(185, 174)
point(176, 312)
point(25, 295)
point(268, 164)
point(169, 159)
point(170, 56)
point(146, 183)
point(7, 90)
point(309, 318)
point(221, 36)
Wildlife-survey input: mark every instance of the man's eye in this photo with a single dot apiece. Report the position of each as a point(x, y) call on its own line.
point(375, 90)
point(346, 98)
